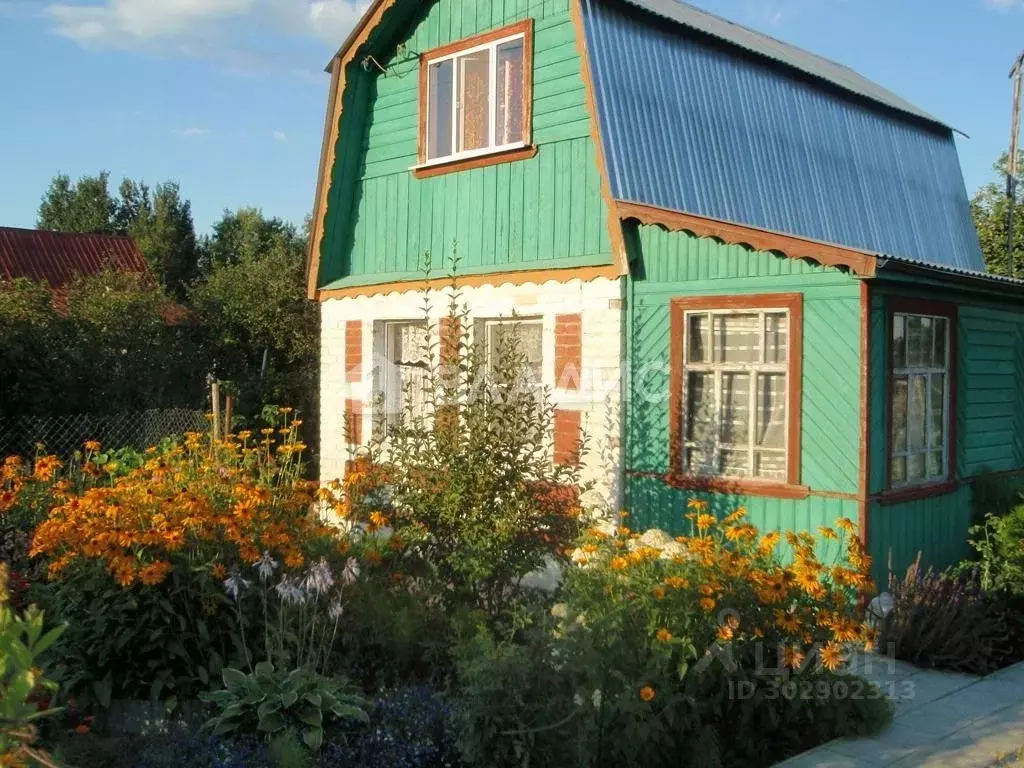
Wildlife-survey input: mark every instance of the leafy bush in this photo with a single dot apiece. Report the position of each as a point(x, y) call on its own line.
point(273, 702)
point(998, 543)
point(468, 486)
point(946, 620)
point(22, 643)
point(694, 651)
point(137, 555)
point(993, 494)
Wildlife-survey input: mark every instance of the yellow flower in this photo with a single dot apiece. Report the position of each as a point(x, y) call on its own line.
point(618, 563)
point(647, 693)
point(658, 592)
point(733, 517)
point(676, 582)
point(827, 533)
point(664, 635)
point(845, 524)
point(705, 521)
point(787, 621)
point(92, 446)
point(697, 505)
point(832, 656)
point(707, 604)
point(792, 657)
point(725, 633)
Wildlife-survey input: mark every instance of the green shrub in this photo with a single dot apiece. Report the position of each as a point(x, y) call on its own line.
point(993, 494)
point(707, 650)
point(948, 621)
point(1001, 555)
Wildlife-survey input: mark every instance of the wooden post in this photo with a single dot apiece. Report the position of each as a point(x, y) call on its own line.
point(229, 403)
point(215, 399)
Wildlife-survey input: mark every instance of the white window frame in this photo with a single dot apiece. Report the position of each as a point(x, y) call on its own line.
point(717, 369)
point(928, 372)
point(492, 105)
point(388, 384)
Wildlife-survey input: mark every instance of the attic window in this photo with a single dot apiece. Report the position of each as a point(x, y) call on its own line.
point(475, 97)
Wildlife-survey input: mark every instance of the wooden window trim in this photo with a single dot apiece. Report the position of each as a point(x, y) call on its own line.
point(791, 488)
point(926, 490)
point(425, 168)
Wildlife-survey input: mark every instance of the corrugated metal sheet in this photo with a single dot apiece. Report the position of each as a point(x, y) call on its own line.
point(783, 53)
point(58, 257)
point(693, 124)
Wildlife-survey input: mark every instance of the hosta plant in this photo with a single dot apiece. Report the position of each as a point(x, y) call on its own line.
point(273, 701)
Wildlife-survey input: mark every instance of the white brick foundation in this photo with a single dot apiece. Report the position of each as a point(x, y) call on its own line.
point(599, 302)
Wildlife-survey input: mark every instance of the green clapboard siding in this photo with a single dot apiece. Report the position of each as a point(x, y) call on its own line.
point(675, 264)
point(540, 213)
point(935, 527)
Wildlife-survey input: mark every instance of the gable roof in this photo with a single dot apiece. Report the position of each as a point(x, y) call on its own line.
point(691, 119)
point(788, 55)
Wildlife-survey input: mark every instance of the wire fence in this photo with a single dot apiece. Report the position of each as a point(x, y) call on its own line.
point(62, 435)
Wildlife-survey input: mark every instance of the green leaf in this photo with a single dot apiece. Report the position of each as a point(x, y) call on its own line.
point(235, 681)
point(102, 690)
point(267, 707)
point(265, 668)
point(288, 698)
point(313, 737)
point(313, 698)
point(311, 716)
point(48, 639)
point(271, 723)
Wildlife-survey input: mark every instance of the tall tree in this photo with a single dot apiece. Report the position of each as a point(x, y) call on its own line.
point(162, 227)
point(990, 208)
point(85, 206)
point(253, 308)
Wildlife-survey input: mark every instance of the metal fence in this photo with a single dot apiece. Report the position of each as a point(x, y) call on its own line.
point(63, 435)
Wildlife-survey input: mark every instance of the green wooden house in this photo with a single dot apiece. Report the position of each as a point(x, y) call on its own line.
point(749, 273)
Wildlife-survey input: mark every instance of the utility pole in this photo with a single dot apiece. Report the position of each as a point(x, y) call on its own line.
point(1016, 74)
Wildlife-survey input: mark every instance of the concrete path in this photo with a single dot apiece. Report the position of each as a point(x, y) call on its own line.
point(941, 720)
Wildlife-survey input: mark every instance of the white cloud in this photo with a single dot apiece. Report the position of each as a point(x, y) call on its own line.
point(1005, 5)
point(280, 136)
point(229, 29)
point(194, 131)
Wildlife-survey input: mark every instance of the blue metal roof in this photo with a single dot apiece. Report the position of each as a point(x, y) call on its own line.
point(698, 122)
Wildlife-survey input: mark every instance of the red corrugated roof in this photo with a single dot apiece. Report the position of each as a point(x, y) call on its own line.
point(59, 257)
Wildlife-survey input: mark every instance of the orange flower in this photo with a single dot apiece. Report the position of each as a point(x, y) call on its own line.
point(676, 582)
point(663, 635)
point(832, 656)
point(705, 521)
point(787, 621)
point(219, 571)
point(708, 604)
point(792, 657)
point(647, 693)
point(724, 633)
point(658, 592)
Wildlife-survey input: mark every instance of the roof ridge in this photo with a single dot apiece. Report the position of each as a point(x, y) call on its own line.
point(69, 234)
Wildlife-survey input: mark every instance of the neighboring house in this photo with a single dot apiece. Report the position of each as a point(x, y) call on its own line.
point(776, 252)
point(58, 258)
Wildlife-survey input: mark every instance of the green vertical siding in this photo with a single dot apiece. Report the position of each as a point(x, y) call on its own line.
point(538, 213)
point(672, 264)
point(989, 426)
point(679, 264)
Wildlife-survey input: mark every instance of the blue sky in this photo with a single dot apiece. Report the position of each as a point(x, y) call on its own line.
point(227, 96)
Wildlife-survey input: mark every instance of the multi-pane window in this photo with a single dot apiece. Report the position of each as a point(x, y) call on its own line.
point(527, 337)
point(735, 393)
point(920, 398)
point(477, 96)
point(403, 371)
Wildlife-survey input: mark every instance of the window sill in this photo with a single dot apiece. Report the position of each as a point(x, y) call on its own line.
point(916, 492)
point(425, 171)
point(768, 488)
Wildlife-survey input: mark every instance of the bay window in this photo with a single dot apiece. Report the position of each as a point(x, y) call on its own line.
point(475, 96)
point(735, 388)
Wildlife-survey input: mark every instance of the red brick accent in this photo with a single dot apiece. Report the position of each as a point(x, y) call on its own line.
point(354, 422)
point(354, 350)
point(450, 331)
point(567, 436)
point(568, 351)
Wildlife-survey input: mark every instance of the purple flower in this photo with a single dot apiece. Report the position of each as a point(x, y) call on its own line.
point(235, 584)
point(290, 590)
point(266, 566)
point(351, 572)
point(319, 578)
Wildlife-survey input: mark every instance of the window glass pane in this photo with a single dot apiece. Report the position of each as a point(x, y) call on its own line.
point(915, 468)
point(405, 388)
point(737, 338)
point(736, 408)
point(509, 125)
point(735, 463)
point(939, 343)
point(771, 411)
point(771, 464)
point(899, 469)
point(700, 410)
point(527, 338)
point(919, 341)
point(899, 413)
point(937, 421)
point(473, 106)
point(698, 461)
point(775, 337)
point(899, 341)
point(934, 464)
point(439, 109)
point(916, 413)
point(697, 329)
